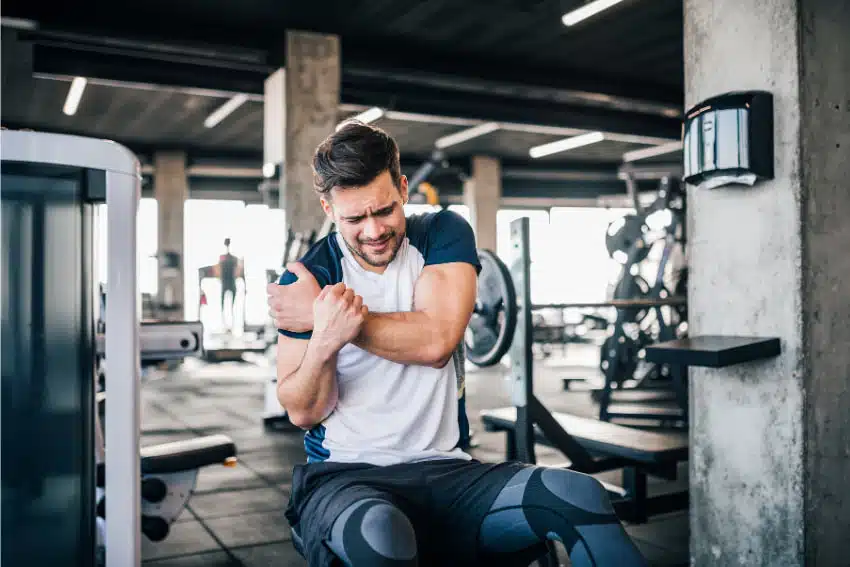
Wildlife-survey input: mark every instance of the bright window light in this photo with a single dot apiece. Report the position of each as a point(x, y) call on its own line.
point(566, 144)
point(586, 11)
point(75, 93)
point(225, 110)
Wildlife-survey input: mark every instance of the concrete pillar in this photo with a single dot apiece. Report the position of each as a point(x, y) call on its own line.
point(171, 189)
point(770, 458)
point(301, 110)
point(482, 193)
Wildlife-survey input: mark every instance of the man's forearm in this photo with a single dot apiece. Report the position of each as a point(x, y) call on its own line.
point(409, 337)
point(310, 393)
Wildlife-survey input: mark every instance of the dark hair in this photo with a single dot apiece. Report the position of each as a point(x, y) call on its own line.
point(354, 156)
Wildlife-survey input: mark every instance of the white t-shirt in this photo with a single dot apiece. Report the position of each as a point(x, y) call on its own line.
point(387, 412)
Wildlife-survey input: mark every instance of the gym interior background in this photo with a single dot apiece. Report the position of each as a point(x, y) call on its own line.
point(588, 119)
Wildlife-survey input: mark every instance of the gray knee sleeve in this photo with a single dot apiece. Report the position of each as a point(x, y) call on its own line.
point(540, 504)
point(373, 532)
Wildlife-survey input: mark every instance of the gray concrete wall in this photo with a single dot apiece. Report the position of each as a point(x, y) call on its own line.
point(312, 85)
point(745, 255)
point(171, 189)
point(482, 193)
point(825, 144)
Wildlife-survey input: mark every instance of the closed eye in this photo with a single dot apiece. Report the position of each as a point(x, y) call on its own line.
point(382, 212)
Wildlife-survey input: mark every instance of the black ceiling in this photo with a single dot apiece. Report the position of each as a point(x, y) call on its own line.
point(475, 60)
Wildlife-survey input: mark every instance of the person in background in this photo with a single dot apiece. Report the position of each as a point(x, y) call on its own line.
point(229, 270)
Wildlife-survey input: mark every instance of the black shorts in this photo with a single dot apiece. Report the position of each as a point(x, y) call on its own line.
point(446, 501)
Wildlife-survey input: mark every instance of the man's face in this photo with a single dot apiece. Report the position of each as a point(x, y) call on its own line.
point(370, 219)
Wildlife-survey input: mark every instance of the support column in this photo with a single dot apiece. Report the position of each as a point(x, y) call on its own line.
point(301, 110)
point(771, 457)
point(171, 189)
point(482, 193)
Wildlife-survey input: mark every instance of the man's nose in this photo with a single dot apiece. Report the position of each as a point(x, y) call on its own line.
point(373, 229)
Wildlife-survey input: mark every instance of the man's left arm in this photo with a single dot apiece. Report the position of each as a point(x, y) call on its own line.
point(443, 300)
point(444, 297)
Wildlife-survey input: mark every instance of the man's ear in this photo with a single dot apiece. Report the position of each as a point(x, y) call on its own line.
point(326, 206)
point(402, 189)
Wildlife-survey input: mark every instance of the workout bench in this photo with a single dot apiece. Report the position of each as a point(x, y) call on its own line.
point(609, 447)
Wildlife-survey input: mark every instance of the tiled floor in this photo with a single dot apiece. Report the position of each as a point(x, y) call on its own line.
point(235, 518)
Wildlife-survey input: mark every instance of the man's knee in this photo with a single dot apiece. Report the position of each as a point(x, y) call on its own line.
point(373, 532)
point(553, 487)
point(578, 490)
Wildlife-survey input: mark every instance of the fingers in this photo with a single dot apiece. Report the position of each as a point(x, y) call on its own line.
point(331, 291)
point(357, 304)
point(324, 293)
point(297, 268)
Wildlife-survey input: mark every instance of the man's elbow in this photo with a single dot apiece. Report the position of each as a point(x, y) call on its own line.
point(302, 420)
point(438, 354)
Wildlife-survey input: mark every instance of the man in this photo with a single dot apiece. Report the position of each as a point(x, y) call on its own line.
point(228, 272)
point(369, 321)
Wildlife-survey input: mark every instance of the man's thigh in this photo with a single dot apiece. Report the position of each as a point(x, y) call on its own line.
point(461, 496)
point(320, 506)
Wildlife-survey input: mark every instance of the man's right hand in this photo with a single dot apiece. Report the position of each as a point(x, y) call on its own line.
point(338, 315)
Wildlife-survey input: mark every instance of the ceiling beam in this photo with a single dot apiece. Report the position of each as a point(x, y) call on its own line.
point(394, 89)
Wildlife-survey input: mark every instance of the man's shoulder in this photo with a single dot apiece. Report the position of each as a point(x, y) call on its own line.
point(323, 259)
point(443, 224)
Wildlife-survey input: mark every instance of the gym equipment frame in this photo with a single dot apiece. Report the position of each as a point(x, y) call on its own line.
point(591, 446)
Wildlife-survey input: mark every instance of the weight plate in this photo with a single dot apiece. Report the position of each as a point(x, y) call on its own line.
point(624, 240)
point(491, 328)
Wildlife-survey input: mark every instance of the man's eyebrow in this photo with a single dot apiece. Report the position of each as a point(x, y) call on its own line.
point(385, 209)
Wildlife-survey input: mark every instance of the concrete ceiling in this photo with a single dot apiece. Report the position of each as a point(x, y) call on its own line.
point(436, 67)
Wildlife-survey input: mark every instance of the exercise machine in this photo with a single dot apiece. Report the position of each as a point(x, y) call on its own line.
point(169, 471)
point(227, 347)
point(635, 389)
point(591, 446)
point(50, 185)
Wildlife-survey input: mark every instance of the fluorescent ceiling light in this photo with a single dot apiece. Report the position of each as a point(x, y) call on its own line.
point(566, 144)
point(225, 110)
point(75, 93)
point(654, 151)
point(586, 11)
point(365, 117)
point(18, 23)
point(370, 115)
point(464, 135)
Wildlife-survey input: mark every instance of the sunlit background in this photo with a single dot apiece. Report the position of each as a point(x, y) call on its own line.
point(569, 260)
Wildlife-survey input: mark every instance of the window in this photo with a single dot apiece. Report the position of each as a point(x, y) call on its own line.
point(147, 237)
point(541, 247)
point(580, 257)
point(258, 237)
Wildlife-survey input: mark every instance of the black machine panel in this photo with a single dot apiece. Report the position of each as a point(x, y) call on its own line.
point(47, 376)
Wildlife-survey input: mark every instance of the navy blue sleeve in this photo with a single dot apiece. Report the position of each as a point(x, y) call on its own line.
point(450, 239)
point(323, 261)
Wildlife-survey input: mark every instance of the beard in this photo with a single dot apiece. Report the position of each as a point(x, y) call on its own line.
point(377, 260)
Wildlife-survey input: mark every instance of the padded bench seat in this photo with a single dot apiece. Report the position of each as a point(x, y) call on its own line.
point(607, 439)
point(186, 455)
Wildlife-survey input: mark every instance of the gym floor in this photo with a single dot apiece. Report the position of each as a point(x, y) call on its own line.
point(235, 518)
